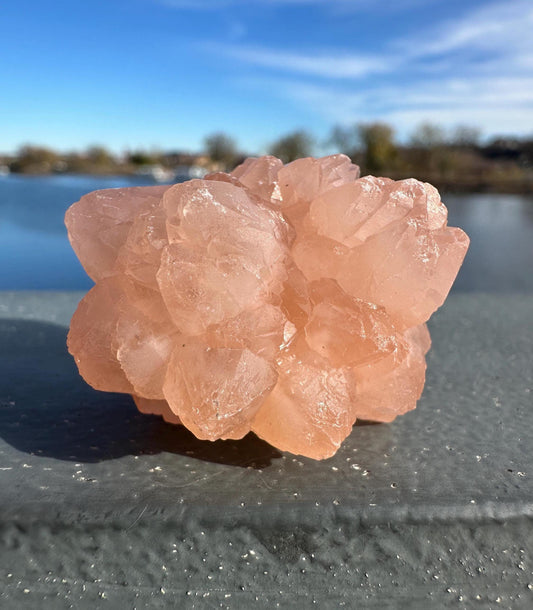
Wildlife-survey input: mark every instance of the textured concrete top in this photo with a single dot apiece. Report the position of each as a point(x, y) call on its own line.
point(71, 457)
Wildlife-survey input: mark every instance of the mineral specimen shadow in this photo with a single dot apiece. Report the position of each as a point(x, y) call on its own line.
point(47, 409)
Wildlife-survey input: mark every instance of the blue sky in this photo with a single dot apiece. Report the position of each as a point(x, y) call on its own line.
point(165, 73)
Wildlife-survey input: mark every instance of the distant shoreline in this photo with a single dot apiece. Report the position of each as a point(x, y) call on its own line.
point(465, 184)
point(513, 185)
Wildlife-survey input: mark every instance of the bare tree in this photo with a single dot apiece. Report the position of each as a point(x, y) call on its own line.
point(466, 136)
point(345, 139)
point(293, 146)
point(377, 140)
point(221, 149)
point(428, 135)
point(35, 159)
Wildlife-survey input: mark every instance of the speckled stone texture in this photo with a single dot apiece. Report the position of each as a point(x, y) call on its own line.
point(101, 507)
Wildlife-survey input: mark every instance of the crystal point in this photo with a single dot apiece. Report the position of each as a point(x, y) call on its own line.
point(288, 300)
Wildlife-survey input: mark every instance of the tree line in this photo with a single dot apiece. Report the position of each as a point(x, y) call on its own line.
point(457, 159)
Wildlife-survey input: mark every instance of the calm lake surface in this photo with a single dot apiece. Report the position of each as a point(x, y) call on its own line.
point(35, 252)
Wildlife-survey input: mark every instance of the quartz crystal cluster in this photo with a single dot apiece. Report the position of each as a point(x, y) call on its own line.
point(287, 300)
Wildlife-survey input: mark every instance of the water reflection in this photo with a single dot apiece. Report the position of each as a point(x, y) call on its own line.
point(39, 202)
point(500, 258)
point(35, 253)
point(34, 249)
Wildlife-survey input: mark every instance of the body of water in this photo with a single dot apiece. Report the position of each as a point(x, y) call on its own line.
point(35, 252)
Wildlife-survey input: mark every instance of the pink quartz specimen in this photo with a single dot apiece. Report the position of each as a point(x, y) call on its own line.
point(284, 300)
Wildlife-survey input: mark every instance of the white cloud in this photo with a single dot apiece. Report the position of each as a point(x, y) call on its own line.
point(490, 121)
point(237, 30)
point(502, 105)
point(492, 27)
point(501, 30)
point(328, 66)
point(476, 69)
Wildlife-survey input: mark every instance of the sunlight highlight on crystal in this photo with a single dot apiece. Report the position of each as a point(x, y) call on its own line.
point(284, 300)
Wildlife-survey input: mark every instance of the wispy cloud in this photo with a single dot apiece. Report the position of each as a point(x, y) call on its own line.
point(324, 65)
point(502, 30)
point(495, 105)
point(499, 27)
point(476, 68)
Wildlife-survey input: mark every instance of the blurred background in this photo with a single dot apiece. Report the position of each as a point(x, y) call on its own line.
point(131, 92)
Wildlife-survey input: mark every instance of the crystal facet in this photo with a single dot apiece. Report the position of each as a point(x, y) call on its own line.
point(284, 300)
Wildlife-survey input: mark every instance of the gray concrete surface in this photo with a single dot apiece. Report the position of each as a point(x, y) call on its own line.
point(102, 507)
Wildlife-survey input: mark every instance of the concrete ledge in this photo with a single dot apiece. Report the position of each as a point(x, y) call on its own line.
point(104, 507)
